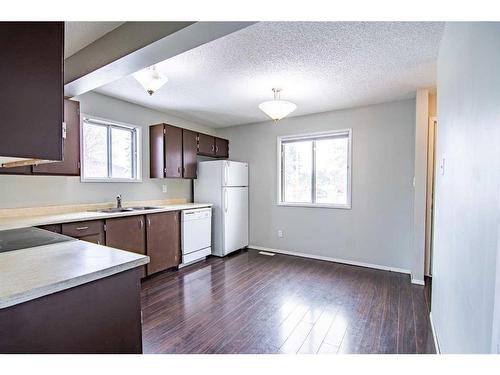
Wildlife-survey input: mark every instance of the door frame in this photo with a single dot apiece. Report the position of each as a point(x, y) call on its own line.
point(429, 206)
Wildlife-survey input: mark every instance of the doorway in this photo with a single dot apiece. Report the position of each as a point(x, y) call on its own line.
point(429, 211)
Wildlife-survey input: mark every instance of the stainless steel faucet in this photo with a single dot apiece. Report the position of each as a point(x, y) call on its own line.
point(119, 201)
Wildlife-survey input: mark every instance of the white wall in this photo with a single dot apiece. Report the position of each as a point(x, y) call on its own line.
point(466, 236)
point(30, 191)
point(377, 229)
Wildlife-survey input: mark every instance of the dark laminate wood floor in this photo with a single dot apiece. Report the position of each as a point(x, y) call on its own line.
point(252, 303)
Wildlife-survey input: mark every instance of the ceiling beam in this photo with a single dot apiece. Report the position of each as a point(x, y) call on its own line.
point(134, 46)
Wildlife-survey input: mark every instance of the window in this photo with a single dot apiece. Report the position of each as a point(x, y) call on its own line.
point(315, 169)
point(110, 151)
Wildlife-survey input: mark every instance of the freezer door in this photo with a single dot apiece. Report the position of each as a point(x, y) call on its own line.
point(234, 173)
point(235, 218)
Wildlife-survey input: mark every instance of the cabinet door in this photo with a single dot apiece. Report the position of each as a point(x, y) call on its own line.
point(189, 151)
point(127, 233)
point(221, 148)
point(206, 145)
point(70, 166)
point(16, 170)
point(31, 94)
point(163, 241)
point(156, 151)
point(56, 228)
point(90, 231)
point(173, 151)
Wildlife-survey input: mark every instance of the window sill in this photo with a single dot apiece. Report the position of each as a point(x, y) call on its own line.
point(311, 205)
point(101, 180)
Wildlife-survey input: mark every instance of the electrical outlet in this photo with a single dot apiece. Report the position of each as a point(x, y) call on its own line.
point(280, 233)
point(163, 188)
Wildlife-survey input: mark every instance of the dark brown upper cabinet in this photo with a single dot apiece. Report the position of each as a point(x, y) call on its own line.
point(189, 151)
point(165, 151)
point(206, 145)
point(70, 166)
point(221, 148)
point(163, 241)
point(31, 94)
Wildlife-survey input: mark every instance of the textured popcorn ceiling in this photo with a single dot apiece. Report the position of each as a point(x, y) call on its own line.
point(78, 35)
point(320, 66)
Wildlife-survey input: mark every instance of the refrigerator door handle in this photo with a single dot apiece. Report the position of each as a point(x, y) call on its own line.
point(225, 173)
point(225, 200)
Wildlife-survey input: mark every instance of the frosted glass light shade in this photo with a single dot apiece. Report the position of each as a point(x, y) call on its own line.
point(277, 109)
point(150, 79)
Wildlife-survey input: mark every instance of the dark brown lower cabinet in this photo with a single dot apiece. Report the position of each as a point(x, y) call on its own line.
point(127, 233)
point(102, 316)
point(90, 231)
point(56, 228)
point(163, 241)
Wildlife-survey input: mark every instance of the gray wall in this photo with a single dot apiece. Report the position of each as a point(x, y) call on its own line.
point(467, 195)
point(377, 229)
point(29, 191)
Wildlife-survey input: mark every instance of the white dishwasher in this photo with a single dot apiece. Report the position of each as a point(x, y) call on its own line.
point(196, 234)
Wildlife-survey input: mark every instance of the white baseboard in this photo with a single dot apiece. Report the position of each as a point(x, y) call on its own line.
point(434, 336)
point(330, 259)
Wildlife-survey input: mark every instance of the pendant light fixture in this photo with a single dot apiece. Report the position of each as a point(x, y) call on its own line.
point(277, 108)
point(150, 79)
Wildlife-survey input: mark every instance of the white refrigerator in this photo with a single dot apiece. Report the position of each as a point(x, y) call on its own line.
point(225, 184)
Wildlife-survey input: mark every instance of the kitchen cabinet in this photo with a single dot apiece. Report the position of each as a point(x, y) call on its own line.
point(127, 233)
point(206, 145)
point(165, 148)
point(70, 166)
point(90, 231)
point(31, 97)
point(189, 151)
point(221, 148)
point(163, 241)
point(56, 228)
point(173, 151)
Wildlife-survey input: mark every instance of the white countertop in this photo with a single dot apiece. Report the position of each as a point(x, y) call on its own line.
point(32, 221)
point(38, 271)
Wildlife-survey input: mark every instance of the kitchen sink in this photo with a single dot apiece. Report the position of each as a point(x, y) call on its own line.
point(115, 209)
point(144, 208)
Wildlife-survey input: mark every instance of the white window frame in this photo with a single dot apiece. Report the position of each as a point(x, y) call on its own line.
point(312, 136)
point(137, 152)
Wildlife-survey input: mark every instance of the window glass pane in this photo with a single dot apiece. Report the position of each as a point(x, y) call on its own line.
point(95, 155)
point(331, 170)
point(121, 153)
point(297, 172)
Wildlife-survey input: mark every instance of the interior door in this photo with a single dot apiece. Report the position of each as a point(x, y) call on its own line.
point(235, 218)
point(234, 173)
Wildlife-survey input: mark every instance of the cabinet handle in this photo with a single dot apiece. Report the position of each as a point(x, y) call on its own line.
point(82, 228)
point(98, 242)
point(179, 170)
point(212, 148)
point(149, 222)
point(141, 223)
point(216, 148)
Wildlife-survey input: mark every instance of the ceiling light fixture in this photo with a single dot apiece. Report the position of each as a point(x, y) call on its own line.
point(277, 108)
point(150, 79)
